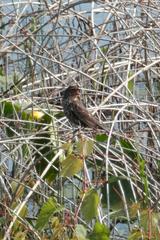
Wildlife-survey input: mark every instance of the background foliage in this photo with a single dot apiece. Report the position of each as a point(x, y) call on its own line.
point(56, 183)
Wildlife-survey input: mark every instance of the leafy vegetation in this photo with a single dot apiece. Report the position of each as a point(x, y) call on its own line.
point(59, 182)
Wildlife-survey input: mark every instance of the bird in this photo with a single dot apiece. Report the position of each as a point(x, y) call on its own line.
point(75, 110)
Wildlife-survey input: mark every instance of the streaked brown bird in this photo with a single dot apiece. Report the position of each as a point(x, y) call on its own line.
point(75, 110)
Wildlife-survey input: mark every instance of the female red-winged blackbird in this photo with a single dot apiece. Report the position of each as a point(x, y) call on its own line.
point(75, 111)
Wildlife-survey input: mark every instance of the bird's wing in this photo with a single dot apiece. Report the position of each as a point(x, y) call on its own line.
point(84, 116)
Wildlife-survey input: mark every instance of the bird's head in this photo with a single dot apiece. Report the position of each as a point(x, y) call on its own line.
point(72, 91)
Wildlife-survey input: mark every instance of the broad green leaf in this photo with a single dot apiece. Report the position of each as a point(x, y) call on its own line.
point(101, 137)
point(90, 205)
point(10, 109)
point(85, 147)
point(47, 210)
point(128, 148)
point(100, 232)
point(71, 165)
point(68, 147)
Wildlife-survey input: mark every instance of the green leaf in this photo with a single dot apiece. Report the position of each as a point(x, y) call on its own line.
point(128, 148)
point(90, 205)
point(1, 72)
point(143, 175)
point(113, 179)
point(46, 119)
point(45, 153)
point(100, 232)
point(131, 151)
point(131, 82)
point(10, 109)
point(131, 85)
point(101, 137)
point(85, 147)
point(49, 208)
point(33, 24)
point(71, 165)
point(68, 147)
